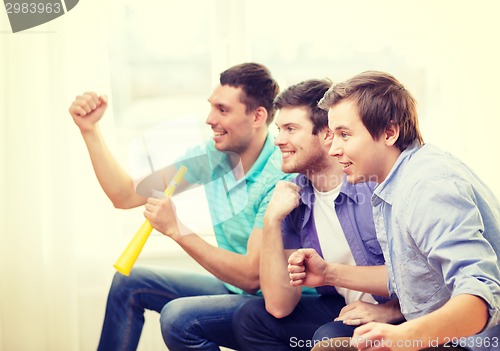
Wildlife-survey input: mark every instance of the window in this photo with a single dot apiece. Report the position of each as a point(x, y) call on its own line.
point(161, 75)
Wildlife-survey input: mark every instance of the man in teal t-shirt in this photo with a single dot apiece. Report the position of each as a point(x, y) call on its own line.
point(242, 166)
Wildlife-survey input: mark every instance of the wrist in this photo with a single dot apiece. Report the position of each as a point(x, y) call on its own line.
point(271, 221)
point(177, 237)
point(89, 132)
point(181, 233)
point(333, 274)
point(413, 330)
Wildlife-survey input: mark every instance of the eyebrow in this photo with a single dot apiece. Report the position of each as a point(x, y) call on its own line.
point(342, 127)
point(218, 104)
point(287, 125)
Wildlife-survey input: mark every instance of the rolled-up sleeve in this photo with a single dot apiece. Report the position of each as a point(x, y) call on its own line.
point(453, 226)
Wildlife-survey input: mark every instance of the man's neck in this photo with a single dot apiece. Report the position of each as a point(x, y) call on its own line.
point(327, 178)
point(389, 162)
point(252, 152)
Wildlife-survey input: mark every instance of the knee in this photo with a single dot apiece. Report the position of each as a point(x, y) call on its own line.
point(322, 333)
point(172, 315)
point(248, 317)
point(118, 285)
point(122, 287)
point(176, 322)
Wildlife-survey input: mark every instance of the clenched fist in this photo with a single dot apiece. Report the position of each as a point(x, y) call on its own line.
point(87, 110)
point(285, 198)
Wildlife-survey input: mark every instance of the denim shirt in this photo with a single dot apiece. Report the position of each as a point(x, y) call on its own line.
point(439, 227)
point(354, 211)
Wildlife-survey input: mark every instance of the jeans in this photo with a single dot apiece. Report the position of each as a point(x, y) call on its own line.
point(189, 320)
point(256, 329)
point(201, 322)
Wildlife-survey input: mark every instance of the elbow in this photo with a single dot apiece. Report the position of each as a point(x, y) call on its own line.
point(277, 311)
point(124, 198)
point(123, 202)
point(252, 287)
point(119, 204)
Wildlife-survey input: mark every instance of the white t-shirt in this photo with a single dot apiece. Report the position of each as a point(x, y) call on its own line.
point(332, 239)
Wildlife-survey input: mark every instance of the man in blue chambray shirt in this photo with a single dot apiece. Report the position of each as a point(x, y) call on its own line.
point(437, 222)
point(320, 211)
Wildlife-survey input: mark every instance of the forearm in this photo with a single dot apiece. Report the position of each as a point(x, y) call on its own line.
point(280, 297)
point(369, 279)
point(462, 316)
point(115, 182)
point(235, 269)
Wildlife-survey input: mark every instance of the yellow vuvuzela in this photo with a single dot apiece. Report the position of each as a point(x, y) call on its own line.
point(129, 256)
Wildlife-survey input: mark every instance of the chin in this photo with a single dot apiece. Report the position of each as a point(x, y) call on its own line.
point(354, 179)
point(288, 169)
point(358, 179)
point(220, 146)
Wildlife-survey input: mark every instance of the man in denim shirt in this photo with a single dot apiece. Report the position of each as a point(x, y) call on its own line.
point(319, 211)
point(437, 222)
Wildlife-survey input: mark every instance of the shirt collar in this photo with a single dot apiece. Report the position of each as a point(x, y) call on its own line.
point(349, 190)
point(267, 150)
point(307, 191)
point(384, 191)
point(221, 163)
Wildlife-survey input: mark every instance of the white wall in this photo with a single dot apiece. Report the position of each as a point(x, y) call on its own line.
point(51, 207)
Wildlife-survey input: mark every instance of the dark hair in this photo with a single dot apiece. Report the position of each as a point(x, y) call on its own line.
point(381, 101)
point(259, 87)
point(307, 94)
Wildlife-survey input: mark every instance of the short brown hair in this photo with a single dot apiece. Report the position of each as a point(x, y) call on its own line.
point(259, 87)
point(381, 101)
point(307, 94)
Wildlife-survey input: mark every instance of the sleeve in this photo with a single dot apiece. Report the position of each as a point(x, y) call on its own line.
point(262, 206)
point(197, 162)
point(446, 224)
point(290, 232)
point(198, 172)
point(261, 209)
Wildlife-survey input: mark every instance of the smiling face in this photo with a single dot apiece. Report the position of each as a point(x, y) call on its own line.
point(231, 124)
point(362, 157)
point(301, 150)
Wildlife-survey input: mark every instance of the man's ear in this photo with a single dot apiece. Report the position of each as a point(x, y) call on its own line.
point(391, 134)
point(260, 116)
point(328, 136)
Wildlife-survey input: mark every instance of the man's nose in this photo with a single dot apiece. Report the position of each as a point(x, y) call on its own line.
point(279, 140)
point(211, 119)
point(335, 149)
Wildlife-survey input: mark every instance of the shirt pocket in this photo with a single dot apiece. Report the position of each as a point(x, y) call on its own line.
point(374, 251)
point(372, 245)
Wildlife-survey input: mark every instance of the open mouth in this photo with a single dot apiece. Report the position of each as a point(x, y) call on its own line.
point(346, 166)
point(287, 154)
point(219, 135)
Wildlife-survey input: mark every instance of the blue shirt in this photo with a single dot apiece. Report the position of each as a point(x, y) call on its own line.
point(354, 211)
point(439, 227)
point(236, 206)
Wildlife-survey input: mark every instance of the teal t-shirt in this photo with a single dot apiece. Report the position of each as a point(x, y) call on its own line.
point(237, 206)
